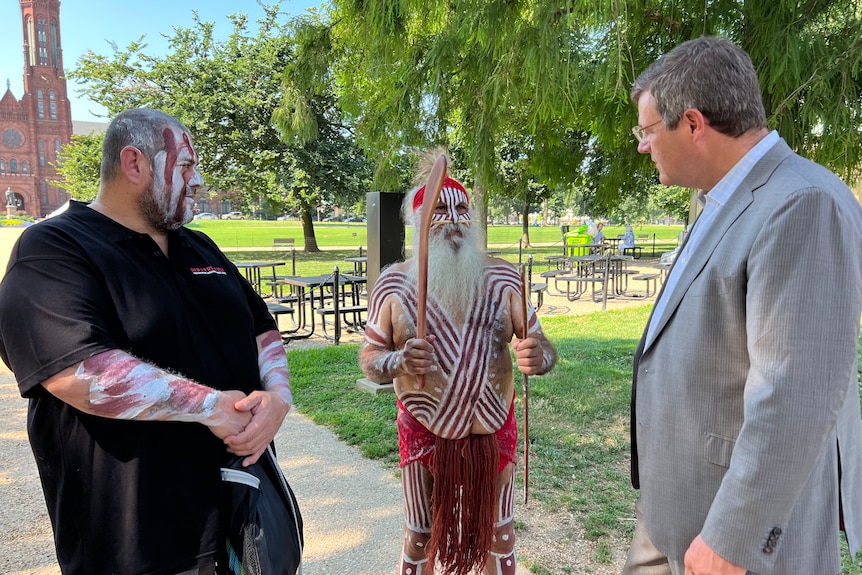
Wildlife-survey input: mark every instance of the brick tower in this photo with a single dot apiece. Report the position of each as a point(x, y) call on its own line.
point(33, 129)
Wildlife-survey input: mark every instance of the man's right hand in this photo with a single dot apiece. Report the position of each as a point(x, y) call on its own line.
point(226, 420)
point(418, 355)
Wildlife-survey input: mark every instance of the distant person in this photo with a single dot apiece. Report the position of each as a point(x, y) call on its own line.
point(139, 389)
point(746, 431)
point(599, 236)
point(457, 435)
point(627, 240)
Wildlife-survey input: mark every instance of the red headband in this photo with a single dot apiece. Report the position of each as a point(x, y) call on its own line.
point(447, 183)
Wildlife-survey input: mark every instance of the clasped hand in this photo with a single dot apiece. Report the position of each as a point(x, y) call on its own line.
point(253, 421)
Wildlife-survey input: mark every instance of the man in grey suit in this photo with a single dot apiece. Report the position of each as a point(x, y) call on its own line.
point(746, 431)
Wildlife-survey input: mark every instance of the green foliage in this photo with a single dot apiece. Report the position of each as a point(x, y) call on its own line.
point(227, 93)
point(670, 200)
point(472, 75)
point(78, 165)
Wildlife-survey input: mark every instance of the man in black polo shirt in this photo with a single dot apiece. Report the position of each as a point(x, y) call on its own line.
point(146, 357)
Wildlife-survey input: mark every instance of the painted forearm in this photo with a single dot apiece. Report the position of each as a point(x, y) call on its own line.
point(121, 386)
point(274, 370)
point(549, 357)
point(380, 364)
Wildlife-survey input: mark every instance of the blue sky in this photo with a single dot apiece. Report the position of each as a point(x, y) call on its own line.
point(91, 24)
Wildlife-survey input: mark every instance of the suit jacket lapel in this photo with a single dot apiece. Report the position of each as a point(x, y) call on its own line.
point(738, 202)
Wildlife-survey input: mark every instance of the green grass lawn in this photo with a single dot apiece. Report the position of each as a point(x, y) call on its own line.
point(579, 415)
point(250, 240)
point(233, 235)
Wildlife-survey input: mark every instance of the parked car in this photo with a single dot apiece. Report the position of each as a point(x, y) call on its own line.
point(206, 216)
point(355, 219)
point(233, 216)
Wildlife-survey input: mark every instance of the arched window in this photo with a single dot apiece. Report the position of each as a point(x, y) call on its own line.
point(56, 150)
point(55, 46)
point(41, 104)
point(31, 41)
point(13, 166)
point(2, 166)
point(43, 194)
point(25, 167)
point(41, 30)
point(41, 153)
point(52, 102)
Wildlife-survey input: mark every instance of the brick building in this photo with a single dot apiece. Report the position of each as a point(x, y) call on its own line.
point(33, 129)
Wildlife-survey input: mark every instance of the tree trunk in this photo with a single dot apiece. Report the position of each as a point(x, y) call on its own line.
point(525, 226)
point(308, 232)
point(479, 211)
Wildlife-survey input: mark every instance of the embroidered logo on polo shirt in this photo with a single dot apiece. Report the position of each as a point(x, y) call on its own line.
point(209, 270)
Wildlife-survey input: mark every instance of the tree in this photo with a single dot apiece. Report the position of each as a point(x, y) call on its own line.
point(519, 183)
point(78, 166)
point(429, 71)
point(226, 93)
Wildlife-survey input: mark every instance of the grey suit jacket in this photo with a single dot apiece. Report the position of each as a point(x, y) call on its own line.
point(748, 391)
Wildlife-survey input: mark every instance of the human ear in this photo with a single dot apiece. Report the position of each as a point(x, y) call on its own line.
point(132, 163)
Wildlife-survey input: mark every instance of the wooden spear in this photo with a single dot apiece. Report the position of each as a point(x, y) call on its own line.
point(525, 291)
point(429, 203)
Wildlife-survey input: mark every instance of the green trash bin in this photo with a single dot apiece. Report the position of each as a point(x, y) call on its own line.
point(577, 238)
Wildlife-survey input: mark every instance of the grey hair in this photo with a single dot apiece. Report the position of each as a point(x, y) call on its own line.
point(710, 74)
point(424, 164)
point(142, 128)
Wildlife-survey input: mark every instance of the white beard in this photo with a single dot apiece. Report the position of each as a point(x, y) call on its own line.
point(455, 267)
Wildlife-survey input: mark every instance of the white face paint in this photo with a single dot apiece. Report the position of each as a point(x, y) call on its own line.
point(175, 179)
point(452, 206)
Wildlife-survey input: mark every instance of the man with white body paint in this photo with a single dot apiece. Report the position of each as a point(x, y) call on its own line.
point(137, 392)
point(457, 433)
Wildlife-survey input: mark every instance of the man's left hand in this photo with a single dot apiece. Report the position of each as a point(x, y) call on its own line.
point(268, 410)
point(701, 560)
point(529, 355)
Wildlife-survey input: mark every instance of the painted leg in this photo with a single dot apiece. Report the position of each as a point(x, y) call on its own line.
point(417, 483)
point(501, 558)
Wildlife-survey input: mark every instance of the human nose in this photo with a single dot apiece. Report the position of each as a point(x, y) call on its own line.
point(644, 146)
point(196, 181)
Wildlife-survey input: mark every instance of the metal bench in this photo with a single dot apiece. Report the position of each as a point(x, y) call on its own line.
point(647, 279)
point(277, 310)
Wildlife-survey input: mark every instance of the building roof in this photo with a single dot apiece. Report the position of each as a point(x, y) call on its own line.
point(80, 128)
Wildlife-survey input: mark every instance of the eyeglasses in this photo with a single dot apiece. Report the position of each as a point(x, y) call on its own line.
point(639, 132)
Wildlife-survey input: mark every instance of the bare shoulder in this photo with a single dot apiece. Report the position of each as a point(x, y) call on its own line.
point(494, 261)
point(398, 267)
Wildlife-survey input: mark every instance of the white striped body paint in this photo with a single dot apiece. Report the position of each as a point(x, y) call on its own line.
point(273, 367)
point(473, 385)
point(122, 386)
point(417, 483)
point(501, 564)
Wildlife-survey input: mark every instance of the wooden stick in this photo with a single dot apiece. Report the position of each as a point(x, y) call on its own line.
point(525, 291)
point(429, 203)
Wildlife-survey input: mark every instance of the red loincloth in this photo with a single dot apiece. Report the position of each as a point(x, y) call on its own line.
point(416, 443)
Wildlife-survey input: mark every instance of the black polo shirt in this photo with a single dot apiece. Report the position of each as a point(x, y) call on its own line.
point(124, 496)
